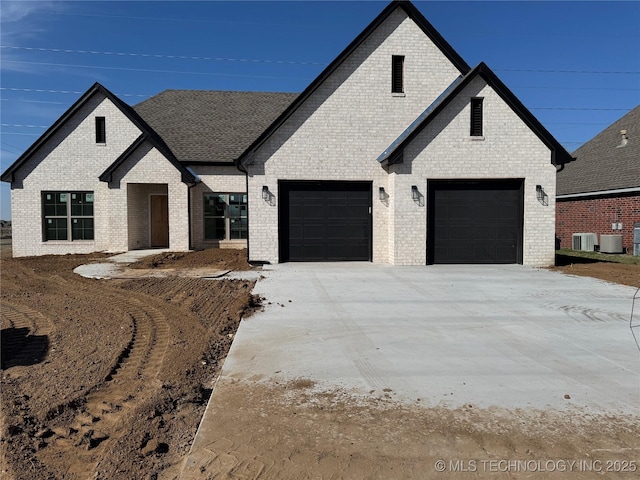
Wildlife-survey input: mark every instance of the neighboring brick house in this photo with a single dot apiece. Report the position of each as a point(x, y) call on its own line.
point(600, 192)
point(397, 153)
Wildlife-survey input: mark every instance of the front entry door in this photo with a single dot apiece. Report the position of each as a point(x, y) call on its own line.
point(159, 206)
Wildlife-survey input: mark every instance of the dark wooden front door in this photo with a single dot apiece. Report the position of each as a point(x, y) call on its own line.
point(159, 206)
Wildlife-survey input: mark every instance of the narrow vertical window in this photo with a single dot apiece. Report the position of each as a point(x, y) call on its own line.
point(101, 130)
point(397, 74)
point(476, 117)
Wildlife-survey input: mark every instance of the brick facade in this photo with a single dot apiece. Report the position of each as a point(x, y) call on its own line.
point(444, 150)
point(341, 129)
point(596, 214)
point(72, 161)
point(336, 133)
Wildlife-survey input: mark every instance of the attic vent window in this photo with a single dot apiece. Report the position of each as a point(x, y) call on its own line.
point(101, 130)
point(397, 74)
point(476, 117)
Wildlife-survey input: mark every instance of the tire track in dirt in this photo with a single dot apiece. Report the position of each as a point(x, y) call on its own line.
point(25, 340)
point(129, 382)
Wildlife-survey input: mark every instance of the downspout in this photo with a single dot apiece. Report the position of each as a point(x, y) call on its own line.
point(240, 167)
point(189, 187)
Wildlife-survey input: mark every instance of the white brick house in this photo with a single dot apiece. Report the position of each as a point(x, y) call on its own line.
point(397, 153)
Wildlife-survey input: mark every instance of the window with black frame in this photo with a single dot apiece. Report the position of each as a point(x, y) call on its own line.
point(225, 216)
point(65, 212)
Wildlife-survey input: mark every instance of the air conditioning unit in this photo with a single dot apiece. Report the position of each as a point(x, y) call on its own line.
point(585, 242)
point(611, 244)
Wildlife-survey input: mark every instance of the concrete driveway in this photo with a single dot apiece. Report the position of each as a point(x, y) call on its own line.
point(511, 337)
point(508, 336)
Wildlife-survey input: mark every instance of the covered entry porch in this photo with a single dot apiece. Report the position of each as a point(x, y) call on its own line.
point(148, 216)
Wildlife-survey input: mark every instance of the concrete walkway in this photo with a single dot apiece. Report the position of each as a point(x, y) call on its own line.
point(506, 336)
point(115, 263)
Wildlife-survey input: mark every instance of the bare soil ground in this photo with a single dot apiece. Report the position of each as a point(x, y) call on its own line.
point(611, 272)
point(108, 379)
point(295, 431)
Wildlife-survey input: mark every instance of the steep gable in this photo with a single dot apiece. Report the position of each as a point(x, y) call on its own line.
point(59, 125)
point(412, 13)
point(393, 154)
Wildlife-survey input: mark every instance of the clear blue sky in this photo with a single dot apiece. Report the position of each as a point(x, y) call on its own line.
point(575, 65)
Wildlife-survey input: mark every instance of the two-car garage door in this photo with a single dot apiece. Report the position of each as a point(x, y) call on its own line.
point(467, 221)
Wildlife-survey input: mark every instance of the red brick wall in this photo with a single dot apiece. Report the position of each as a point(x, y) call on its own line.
point(595, 215)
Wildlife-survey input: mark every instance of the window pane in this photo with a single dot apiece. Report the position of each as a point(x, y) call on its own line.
point(80, 205)
point(238, 228)
point(214, 205)
point(214, 229)
point(55, 204)
point(237, 206)
point(56, 228)
point(82, 228)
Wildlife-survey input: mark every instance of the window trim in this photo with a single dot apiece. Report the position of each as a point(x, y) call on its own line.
point(476, 123)
point(101, 130)
point(397, 74)
point(69, 216)
point(226, 216)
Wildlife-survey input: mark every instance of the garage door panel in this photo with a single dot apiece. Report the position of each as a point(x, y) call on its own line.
point(475, 221)
point(325, 221)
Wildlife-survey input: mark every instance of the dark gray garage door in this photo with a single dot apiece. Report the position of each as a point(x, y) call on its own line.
point(475, 221)
point(324, 221)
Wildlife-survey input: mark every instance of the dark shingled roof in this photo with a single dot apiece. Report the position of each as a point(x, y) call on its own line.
point(602, 164)
point(211, 126)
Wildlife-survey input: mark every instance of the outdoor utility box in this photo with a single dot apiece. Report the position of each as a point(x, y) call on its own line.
point(585, 242)
point(636, 238)
point(611, 244)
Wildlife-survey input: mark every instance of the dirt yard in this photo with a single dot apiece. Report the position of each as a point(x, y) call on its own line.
point(611, 272)
point(108, 379)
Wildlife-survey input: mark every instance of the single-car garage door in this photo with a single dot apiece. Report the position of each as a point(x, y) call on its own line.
point(324, 221)
point(475, 221)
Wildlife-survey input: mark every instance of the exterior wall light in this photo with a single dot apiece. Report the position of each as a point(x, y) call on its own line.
point(541, 195)
point(415, 194)
point(382, 195)
point(265, 193)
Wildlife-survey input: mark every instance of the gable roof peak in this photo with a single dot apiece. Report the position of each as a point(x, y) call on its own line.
point(9, 174)
point(392, 154)
point(413, 13)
